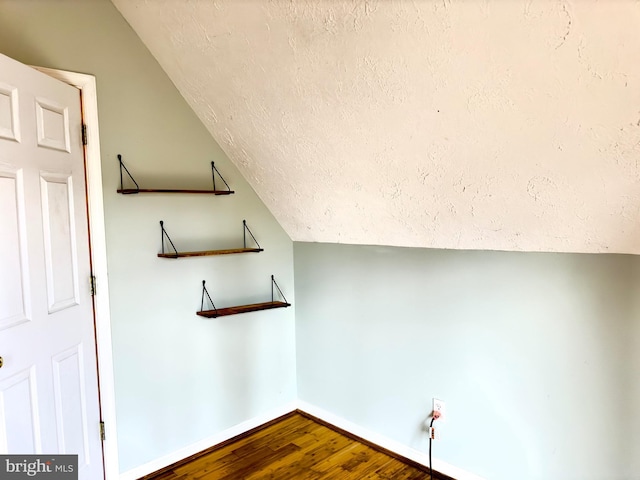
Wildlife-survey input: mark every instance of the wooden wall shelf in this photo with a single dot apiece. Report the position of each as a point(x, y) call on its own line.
point(253, 307)
point(223, 312)
point(207, 253)
point(214, 312)
point(134, 191)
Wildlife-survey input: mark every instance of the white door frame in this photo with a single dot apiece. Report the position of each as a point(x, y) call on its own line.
point(87, 85)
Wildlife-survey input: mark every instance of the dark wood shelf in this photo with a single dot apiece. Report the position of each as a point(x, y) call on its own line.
point(254, 307)
point(133, 191)
point(206, 253)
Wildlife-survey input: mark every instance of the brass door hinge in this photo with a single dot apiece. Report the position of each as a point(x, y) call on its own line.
point(103, 435)
point(84, 134)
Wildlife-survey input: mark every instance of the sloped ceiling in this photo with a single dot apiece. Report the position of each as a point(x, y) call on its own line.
point(482, 124)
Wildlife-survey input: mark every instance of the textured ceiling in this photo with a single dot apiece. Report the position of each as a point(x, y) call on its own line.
point(482, 124)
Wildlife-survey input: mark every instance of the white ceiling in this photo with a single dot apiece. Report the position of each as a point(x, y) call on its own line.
point(481, 124)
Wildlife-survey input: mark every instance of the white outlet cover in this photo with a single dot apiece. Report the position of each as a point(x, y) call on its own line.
point(439, 406)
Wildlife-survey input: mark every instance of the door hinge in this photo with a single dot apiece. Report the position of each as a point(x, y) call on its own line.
point(92, 285)
point(84, 134)
point(103, 435)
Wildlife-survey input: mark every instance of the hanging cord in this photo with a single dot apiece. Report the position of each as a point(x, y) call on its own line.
point(137, 189)
point(434, 417)
point(165, 234)
point(244, 235)
point(214, 170)
point(273, 282)
point(205, 291)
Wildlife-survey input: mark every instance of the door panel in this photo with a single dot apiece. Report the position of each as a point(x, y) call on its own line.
point(58, 221)
point(19, 414)
point(70, 396)
point(48, 384)
point(14, 288)
point(9, 121)
point(53, 125)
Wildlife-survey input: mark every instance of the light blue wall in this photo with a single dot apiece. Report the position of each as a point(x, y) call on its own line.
point(533, 354)
point(179, 378)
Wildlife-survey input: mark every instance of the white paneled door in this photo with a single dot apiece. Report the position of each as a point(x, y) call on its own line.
point(48, 378)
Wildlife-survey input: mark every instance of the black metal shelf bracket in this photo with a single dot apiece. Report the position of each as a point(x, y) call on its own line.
point(273, 282)
point(128, 191)
point(244, 235)
point(122, 166)
point(214, 170)
point(205, 292)
point(164, 235)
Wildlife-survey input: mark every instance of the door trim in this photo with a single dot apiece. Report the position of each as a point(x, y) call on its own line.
point(87, 85)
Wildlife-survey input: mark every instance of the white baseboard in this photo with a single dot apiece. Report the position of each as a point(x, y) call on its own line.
point(203, 444)
point(375, 438)
point(387, 443)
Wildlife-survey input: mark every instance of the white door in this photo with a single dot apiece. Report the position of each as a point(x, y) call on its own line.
point(48, 382)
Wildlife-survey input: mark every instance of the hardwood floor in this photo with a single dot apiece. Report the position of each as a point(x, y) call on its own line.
point(294, 447)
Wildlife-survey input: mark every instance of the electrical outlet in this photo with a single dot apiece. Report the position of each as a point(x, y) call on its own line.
point(439, 406)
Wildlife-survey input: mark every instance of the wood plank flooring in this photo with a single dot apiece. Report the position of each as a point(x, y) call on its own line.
point(295, 447)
